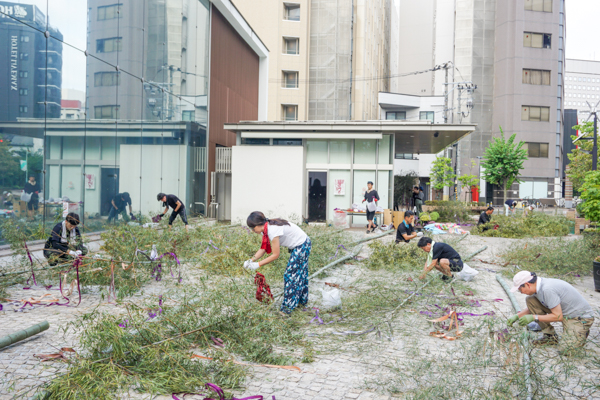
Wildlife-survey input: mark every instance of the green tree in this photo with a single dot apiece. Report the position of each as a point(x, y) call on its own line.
point(442, 174)
point(11, 176)
point(469, 181)
point(403, 185)
point(590, 193)
point(503, 160)
point(580, 162)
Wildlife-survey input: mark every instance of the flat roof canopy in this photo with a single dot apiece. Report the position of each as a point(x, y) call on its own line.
point(411, 137)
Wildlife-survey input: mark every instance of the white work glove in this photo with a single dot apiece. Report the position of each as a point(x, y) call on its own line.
point(78, 252)
point(253, 266)
point(246, 263)
point(419, 234)
point(72, 253)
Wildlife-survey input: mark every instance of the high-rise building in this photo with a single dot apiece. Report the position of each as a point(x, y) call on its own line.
point(582, 85)
point(329, 58)
point(514, 53)
point(31, 71)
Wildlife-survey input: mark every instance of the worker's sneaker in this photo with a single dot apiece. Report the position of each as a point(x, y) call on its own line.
point(368, 231)
point(547, 340)
point(447, 278)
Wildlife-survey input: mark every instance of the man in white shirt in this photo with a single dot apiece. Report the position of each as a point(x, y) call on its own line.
point(553, 300)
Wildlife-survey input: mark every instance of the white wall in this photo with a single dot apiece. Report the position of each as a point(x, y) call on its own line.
point(162, 168)
point(267, 179)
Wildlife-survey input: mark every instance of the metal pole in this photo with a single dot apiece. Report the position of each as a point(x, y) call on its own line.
point(446, 97)
point(595, 148)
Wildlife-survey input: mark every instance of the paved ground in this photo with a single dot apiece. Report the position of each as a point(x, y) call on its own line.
point(353, 372)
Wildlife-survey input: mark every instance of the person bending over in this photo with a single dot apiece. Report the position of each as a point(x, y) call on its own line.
point(65, 241)
point(170, 200)
point(441, 256)
point(485, 217)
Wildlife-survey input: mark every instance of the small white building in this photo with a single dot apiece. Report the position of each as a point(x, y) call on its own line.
point(307, 169)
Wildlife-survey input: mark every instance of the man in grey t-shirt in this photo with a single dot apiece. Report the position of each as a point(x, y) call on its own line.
point(553, 300)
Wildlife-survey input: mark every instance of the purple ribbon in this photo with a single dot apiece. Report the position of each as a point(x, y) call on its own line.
point(124, 323)
point(338, 249)
point(31, 261)
point(158, 268)
point(219, 392)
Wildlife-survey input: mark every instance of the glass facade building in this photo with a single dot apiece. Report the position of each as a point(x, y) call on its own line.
point(141, 72)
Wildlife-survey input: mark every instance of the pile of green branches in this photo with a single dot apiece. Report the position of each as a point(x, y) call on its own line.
point(518, 226)
point(395, 257)
point(451, 211)
point(556, 257)
point(149, 347)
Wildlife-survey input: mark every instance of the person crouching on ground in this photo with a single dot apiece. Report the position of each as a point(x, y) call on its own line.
point(553, 300)
point(509, 205)
point(64, 241)
point(371, 197)
point(405, 230)
point(485, 217)
point(441, 256)
point(170, 200)
point(279, 233)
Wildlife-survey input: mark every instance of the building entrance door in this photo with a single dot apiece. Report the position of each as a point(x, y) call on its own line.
point(317, 196)
point(109, 187)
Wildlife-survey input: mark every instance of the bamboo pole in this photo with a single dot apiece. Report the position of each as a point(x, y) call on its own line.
point(23, 334)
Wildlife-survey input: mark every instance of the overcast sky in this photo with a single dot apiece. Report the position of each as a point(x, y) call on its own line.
point(69, 16)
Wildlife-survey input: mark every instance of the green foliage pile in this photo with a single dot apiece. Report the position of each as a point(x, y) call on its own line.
point(557, 257)
point(116, 353)
point(517, 227)
point(395, 257)
point(449, 211)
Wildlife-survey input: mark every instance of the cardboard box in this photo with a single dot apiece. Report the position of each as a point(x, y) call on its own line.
point(397, 218)
point(20, 208)
point(387, 216)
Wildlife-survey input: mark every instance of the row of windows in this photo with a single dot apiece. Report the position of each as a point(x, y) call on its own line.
point(537, 40)
point(401, 116)
point(291, 12)
point(589, 96)
point(538, 5)
point(582, 87)
point(579, 79)
point(577, 103)
point(109, 12)
point(536, 77)
point(540, 114)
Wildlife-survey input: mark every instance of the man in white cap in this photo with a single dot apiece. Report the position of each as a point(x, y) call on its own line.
point(553, 300)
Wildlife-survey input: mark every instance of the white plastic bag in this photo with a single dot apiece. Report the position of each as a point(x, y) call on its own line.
point(467, 274)
point(371, 206)
point(340, 219)
point(26, 197)
point(331, 298)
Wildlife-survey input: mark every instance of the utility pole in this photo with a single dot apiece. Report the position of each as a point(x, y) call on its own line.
point(446, 67)
point(593, 112)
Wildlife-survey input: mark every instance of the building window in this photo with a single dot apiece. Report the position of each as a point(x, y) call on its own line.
point(291, 46)
point(188, 115)
point(22, 109)
point(24, 56)
point(109, 45)
point(107, 79)
point(25, 39)
point(538, 5)
point(255, 142)
point(537, 40)
point(23, 74)
point(426, 116)
point(395, 115)
point(23, 92)
point(70, 116)
point(287, 142)
point(106, 112)
point(536, 150)
point(290, 112)
point(535, 114)
point(290, 79)
point(291, 12)
point(405, 156)
point(109, 12)
point(536, 77)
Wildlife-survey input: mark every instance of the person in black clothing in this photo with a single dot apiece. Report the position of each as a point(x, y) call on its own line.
point(405, 230)
point(509, 205)
point(418, 197)
point(371, 197)
point(118, 205)
point(64, 241)
point(32, 188)
point(441, 257)
point(170, 200)
point(485, 217)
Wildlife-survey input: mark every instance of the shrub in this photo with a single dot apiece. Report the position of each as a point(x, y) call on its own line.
point(534, 225)
point(450, 211)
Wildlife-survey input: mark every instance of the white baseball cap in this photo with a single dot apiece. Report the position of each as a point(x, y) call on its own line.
point(520, 279)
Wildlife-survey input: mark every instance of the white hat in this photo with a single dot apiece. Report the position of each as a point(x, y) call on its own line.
point(520, 279)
